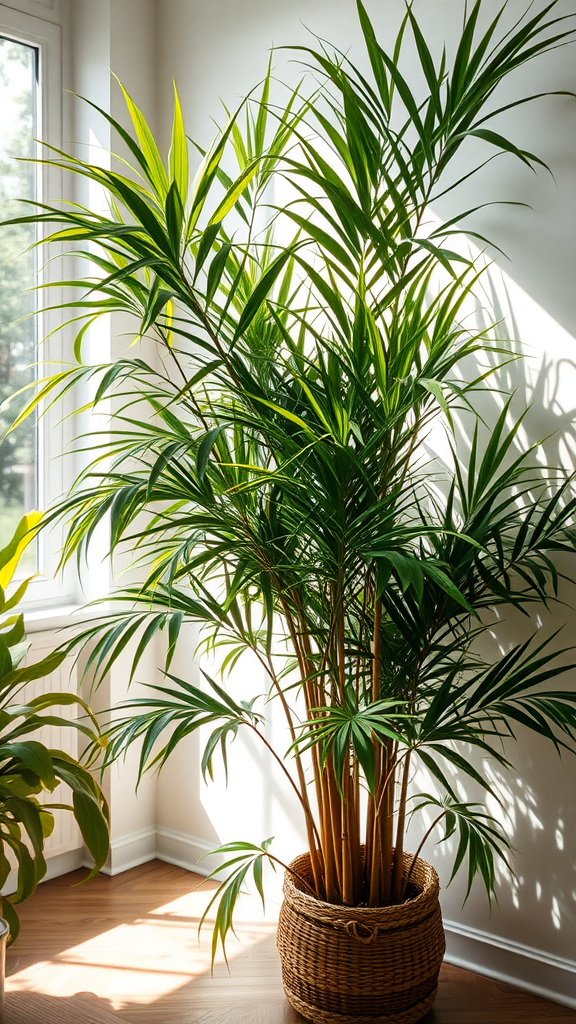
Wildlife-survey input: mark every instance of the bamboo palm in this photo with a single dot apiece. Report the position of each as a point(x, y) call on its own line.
point(277, 447)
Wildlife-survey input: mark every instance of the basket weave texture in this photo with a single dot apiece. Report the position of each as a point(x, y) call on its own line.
point(347, 965)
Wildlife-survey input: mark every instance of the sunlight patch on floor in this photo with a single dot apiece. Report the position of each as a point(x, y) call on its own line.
point(141, 961)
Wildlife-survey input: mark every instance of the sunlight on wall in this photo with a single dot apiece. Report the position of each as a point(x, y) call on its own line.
point(255, 801)
point(528, 804)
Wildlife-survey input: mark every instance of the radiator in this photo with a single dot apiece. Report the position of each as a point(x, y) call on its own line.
point(66, 835)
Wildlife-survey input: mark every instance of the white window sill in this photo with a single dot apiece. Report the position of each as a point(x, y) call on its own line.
point(43, 620)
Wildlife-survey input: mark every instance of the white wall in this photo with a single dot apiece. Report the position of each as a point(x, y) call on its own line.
point(219, 48)
point(117, 34)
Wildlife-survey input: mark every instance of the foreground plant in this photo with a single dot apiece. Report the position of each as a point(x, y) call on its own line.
point(28, 768)
point(276, 446)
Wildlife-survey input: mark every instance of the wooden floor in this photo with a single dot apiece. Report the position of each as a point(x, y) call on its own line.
point(125, 949)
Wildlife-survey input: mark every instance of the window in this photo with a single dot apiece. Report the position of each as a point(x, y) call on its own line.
point(32, 470)
point(18, 275)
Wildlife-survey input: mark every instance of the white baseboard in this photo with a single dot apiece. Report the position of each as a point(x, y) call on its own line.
point(186, 851)
point(130, 851)
point(532, 970)
point(59, 864)
point(63, 863)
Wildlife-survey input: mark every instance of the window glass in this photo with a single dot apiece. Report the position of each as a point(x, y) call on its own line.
point(18, 275)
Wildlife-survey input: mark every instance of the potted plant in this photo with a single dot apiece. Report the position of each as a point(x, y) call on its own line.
point(276, 447)
point(28, 768)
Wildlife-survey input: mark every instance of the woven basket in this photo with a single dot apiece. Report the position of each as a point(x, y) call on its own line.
point(347, 965)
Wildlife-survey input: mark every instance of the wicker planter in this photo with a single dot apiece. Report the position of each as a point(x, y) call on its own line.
point(346, 965)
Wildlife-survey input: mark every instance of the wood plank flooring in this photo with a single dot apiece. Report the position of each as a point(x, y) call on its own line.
point(125, 949)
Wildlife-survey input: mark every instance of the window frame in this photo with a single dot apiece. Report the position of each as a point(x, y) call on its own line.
point(54, 432)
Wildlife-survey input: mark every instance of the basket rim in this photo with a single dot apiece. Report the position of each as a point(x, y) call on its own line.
point(410, 909)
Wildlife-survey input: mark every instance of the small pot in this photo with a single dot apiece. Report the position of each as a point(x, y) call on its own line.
point(4, 933)
point(348, 965)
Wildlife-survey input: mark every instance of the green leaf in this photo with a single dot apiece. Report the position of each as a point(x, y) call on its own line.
point(93, 826)
point(234, 192)
point(178, 158)
point(261, 292)
point(205, 448)
point(446, 584)
point(495, 139)
point(174, 218)
point(435, 389)
point(215, 271)
point(156, 171)
point(11, 554)
point(11, 917)
point(35, 756)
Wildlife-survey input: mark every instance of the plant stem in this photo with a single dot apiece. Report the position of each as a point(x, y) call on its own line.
point(347, 861)
point(335, 819)
point(330, 869)
point(356, 846)
point(387, 826)
point(373, 861)
point(398, 865)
